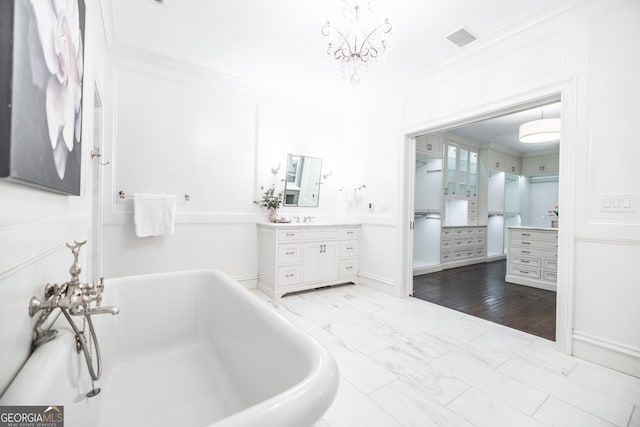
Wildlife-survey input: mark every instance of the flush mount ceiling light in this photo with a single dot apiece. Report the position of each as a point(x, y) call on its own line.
point(356, 34)
point(543, 130)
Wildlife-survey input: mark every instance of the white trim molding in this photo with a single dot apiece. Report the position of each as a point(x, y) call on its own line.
point(622, 357)
point(379, 283)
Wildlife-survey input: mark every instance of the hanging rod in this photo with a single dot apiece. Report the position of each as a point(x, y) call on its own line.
point(123, 195)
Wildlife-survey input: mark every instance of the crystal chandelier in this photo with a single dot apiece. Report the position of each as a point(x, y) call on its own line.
point(356, 34)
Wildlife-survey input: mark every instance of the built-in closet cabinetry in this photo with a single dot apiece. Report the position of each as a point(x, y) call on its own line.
point(533, 257)
point(540, 165)
point(299, 257)
point(463, 245)
point(460, 184)
point(428, 203)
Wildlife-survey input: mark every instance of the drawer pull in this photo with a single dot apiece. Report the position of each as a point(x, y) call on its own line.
point(524, 272)
point(526, 234)
point(289, 253)
point(349, 267)
point(526, 243)
point(289, 275)
point(525, 252)
point(290, 234)
point(350, 248)
point(349, 232)
point(524, 261)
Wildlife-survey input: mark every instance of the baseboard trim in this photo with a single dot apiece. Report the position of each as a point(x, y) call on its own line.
point(612, 354)
point(250, 281)
point(379, 283)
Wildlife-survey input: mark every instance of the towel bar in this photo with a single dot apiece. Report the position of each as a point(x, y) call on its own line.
point(123, 195)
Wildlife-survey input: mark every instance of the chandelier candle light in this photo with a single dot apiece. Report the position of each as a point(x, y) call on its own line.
point(356, 33)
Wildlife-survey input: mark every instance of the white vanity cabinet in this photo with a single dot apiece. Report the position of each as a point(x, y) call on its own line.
point(532, 257)
point(295, 257)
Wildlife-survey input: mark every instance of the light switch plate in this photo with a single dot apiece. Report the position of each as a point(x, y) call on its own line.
point(617, 202)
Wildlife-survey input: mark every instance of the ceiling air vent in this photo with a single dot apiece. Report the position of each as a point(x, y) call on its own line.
point(461, 37)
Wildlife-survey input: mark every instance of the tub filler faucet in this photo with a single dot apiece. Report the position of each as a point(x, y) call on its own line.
point(73, 299)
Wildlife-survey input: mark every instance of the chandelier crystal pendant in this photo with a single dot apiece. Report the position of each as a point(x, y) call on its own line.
point(356, 34)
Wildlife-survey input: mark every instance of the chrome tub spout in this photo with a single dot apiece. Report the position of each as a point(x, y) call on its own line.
point(73, 299)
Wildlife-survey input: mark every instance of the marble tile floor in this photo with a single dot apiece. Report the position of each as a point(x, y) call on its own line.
point(407, 362)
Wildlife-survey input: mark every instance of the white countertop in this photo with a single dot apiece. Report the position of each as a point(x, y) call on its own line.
point(306, 224)
point(522, 227)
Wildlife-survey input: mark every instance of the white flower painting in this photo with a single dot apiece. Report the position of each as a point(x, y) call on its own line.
point(46, 100)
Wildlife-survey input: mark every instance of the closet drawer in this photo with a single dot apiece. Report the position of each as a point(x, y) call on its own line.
point(528, 262)
point(446, 244)
point(446, 257)
point(289, 235)
point(538, 244)
point(464, 254)
point(525, 272)
point(530, 252)
point(348, 248)
point(535, 235)
point(550, 265)
point(550, 276)
point(289, 253)
point(460, 243)
point(289, 275)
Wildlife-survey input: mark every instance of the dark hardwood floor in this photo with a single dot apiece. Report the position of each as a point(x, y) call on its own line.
point(480, 290)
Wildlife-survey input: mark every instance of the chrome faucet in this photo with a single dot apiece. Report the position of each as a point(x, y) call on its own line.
point(73, 299)
point(307, 219)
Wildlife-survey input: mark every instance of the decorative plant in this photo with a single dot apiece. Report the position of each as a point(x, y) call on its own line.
point(555, 212)
point(270, 199)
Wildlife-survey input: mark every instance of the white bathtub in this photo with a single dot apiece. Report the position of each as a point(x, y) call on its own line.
point(188, 348)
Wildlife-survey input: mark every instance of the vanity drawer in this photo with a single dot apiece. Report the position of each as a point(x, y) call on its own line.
point(480, 252)
point(525, 272)
point(550, 276)
point(289, 235)
point(349, 233)
point(348, 248)
point(290, 253)
point(481, 231)
point(289, 275)
point(320, 233)
point(348, 267)
point(528, 262)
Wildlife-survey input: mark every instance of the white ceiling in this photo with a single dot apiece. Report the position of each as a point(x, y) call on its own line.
point(504, 130)
point(276, 44)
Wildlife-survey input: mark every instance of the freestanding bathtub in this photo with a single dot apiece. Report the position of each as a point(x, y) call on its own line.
point(188, 348)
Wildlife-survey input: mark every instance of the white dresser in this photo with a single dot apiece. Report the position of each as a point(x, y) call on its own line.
point(532, 257)
point(463, 245)
point(295, 257)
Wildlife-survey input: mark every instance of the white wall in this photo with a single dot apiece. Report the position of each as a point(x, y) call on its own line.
point(581, 49)
point(181, 130)
point(542, 197)
point(36, 224)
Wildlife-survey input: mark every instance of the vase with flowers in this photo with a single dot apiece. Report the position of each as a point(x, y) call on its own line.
point(554, 213)
point(271, 201)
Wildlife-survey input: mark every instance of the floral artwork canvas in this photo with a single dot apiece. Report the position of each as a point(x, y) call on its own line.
point(41, 76)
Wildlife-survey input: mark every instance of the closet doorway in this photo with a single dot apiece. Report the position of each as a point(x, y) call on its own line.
point(485, 219)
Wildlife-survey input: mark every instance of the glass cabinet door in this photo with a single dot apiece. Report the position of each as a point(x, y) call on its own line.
point(463, 172)
point(473, 174)
point(450, 187)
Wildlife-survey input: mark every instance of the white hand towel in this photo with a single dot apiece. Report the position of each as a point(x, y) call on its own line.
point(350, 195)
point(154, 214)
